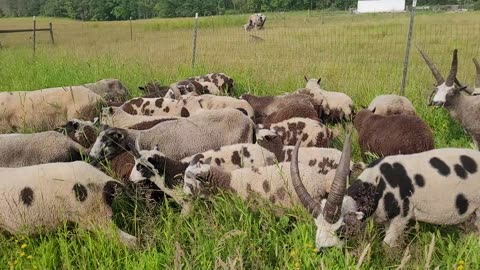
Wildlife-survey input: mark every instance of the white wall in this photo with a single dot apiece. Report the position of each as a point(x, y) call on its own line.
point(366, 6)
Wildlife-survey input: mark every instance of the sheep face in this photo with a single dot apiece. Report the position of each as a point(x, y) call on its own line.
point(443, 93)
point(144, 168)
point(110, 142)
point(83, 132)
point(312, 83)
point(197, 178)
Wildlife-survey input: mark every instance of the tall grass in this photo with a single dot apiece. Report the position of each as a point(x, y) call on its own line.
point(361, 55)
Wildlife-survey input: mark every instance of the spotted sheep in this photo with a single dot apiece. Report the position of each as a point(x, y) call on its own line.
point(438, 187)
point(255, 21)
point(116, 117)
point(462, 108)
point(18, 150)
point(82, 132)
point(181, 137)
point(391, 104)
point(222, 81)
point(273, 109)
point(324, 160)
point(392, 134)
point(340, 105)
point(153, 164)
point(43, 198)
point(160, 107)
point(310, 132)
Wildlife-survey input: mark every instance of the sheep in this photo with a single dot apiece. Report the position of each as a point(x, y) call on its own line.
point(47, 108)
point(154, 90)
point(476, 90)
point(392, 134)
point(270, 182)
point(446, 94)
point(255, 21)
point(211, 102)
point(18, 150)
point(112, 90)
point(224, 83)
point(43, 197)
point(181, 137)
point(82, 132)
point(116, 117)
point(438, 187)
point(309, 131)
point(341, 107)
point(276, 108)
point(391, 104)
point(153, 163)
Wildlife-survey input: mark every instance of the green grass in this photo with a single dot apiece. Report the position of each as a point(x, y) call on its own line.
point(361, 55)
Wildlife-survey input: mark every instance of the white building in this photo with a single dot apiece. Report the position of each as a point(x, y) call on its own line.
point(372, 6)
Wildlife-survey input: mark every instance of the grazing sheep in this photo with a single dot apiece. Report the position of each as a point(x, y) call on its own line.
point(392, 134)
point(437, 187)
point(309, 131)
point(462, 108)
point(112, 90)
point(18, 150)
point(277, 107)
point(47, 108)
point(181, 137)
point(153, 90)
point(255, 21)
point(116, 117)
point(223, 82)
point(44, 197)
point(271, 182)
point(150, 164)
point(82, 132)
point(211, 102)
point(391, 104)
point(340, 106)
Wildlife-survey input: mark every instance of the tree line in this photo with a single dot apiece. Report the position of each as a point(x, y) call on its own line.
point(102, 10)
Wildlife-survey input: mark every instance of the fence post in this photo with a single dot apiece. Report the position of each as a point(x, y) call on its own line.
point(194, 40)
point(34, 28)
point(131, 29)
point(51, 33)
point(407, 52)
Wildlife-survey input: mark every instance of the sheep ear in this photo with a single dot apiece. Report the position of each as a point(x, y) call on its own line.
point(306, 79)
point(319, 80)
point(95, 120)
point(196, 159)
point(156, 148)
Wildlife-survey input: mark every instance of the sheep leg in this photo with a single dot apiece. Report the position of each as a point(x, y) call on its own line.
point(128, 239)
point(394, 230)
point(477, 220)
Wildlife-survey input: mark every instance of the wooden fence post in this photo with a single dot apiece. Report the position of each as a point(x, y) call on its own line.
point(407, 51)
point(34, 27)
point(51, 33)
point(195, 29)
point(131, 29)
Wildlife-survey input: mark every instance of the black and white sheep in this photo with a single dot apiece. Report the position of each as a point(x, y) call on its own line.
point(438, 187)
point(310, 132)
point(116, 117)
point(340, 105)
point(44, 197)
point(392, 134)
point(255, 21)
point(181, 137)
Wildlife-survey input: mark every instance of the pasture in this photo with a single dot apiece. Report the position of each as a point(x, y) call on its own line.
point(361, 55)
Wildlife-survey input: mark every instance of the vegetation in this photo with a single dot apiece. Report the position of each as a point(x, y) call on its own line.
point(361, 55)
point(101, 10)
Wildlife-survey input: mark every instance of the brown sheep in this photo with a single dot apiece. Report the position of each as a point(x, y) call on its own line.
point(392, 134)
point(292, 110)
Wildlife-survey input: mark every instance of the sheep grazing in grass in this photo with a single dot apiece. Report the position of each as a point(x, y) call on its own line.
point(340, 106)
point(116, 117)
point(310, 132)
point(255, 21)
point(437, 186)
point(224, 83)
point(462, 108)
point(392, 134)
point(274, 109)
point(82, 132)
point(391, 104)
point(181, 137)
point(18, 150)
point(112, 90)
point(44, 197)
point(151, 164)
point(154, 90)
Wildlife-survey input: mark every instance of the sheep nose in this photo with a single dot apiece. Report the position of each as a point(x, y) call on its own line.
point(320, 251)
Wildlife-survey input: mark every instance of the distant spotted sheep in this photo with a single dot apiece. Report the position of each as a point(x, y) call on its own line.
point(340, 106)
point(308, 131)
point(391, 104)
point(116, 117)
point(43, 198)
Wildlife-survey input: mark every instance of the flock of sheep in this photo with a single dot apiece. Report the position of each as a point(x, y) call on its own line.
point(193, 138)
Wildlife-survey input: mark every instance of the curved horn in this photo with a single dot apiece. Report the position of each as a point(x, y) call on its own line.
point(135, 148)
point(438, 76)
point(453, 71)
point(477, 67)
point(333, 206)
point(312, 206)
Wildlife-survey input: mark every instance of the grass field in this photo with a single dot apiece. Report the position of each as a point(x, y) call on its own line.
point(361, 55)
